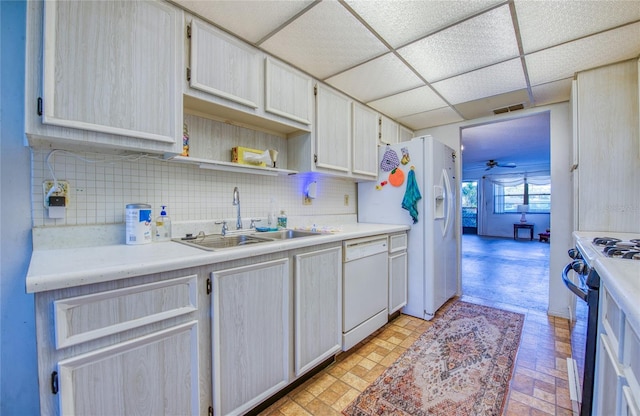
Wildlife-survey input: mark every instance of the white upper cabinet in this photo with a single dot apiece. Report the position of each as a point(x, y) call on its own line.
point(388, 130)
point(287, 92)
point(333, 130)
point(365, 141)
point(223, 65)
point(344, 142)
point(607, 125)
point(404, 134)
point(110, 74)
point(231, 81)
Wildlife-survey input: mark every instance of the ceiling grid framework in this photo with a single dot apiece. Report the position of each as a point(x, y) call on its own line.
point(427, 62)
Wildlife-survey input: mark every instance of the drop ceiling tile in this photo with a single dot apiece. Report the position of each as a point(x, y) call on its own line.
point(417, 100)
point(400, 22)
point(377, 78)
point(549, 23)
point(485, 106)
point(234, 15)
point(325, 40)
point(565, 60)
point(485, 82)
point(552, 92)
point(445, 115)
point(483, 40)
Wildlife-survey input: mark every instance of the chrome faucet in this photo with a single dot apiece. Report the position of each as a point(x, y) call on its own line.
point(236, 202)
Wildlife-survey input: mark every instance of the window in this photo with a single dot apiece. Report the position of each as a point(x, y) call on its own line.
point(535, 192)
point(469, 195)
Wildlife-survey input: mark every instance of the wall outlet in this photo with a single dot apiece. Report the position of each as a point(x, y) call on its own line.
point(63, 190)
point(346, 200)
point(306, 200)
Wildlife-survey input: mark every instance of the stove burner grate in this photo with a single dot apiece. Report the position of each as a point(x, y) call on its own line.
point(605, 241)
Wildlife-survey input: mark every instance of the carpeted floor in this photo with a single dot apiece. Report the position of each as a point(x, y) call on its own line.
point(461, 365)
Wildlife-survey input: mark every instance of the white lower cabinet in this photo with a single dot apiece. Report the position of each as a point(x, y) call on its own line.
point(397, 271)
point(616, 388)
point(133, 375)
point(629, 406)
point(318, 307)
point(250, 328)
point(218, 339)
point(609, 382)
point(122, 347)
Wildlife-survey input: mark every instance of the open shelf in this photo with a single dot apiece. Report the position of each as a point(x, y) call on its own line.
point(232, 167)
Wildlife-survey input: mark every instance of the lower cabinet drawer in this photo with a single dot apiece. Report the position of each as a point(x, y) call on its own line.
point(84, 318)
point(397, 242)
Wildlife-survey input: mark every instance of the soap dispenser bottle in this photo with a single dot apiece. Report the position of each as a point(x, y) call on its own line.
point(163, 226)
point(282, 220)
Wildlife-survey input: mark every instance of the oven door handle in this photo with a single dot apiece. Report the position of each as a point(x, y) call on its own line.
point(581, 293)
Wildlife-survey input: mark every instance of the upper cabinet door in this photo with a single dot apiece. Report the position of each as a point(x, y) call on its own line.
point(365, 141)
point(287, 92)
point(113, 67)
point(404, 134)
point(388, 130)
point(333, 130)
point(224, 66)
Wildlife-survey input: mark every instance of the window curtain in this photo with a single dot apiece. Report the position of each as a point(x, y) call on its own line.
point(515, 179)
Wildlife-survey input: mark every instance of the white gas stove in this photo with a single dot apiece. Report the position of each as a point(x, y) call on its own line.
point(594, 245)
point(615, 258)
point(600, 258)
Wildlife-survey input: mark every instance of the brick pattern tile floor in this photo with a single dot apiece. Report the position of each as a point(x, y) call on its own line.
point(538, 387)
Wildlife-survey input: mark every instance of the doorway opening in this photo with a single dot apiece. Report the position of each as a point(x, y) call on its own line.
point(498, 265)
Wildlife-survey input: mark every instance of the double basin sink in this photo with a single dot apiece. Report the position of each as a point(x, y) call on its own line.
point(217, 242)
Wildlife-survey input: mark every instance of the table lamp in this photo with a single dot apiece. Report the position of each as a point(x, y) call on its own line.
point(523, 209)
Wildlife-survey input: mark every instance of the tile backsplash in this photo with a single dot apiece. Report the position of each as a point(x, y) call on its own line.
point(101, 185)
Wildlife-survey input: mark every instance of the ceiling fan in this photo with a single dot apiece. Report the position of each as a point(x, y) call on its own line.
point(492, 164)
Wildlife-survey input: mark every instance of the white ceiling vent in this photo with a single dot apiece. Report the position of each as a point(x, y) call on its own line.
point(509, 108)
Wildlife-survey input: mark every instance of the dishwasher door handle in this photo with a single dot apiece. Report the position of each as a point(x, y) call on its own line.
point(365, 248)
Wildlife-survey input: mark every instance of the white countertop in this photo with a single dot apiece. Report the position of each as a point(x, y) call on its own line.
point(51, 269)
point(620, 276)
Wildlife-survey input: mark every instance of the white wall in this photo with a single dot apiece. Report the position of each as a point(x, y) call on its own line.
point(562, 191)
point(18, 360)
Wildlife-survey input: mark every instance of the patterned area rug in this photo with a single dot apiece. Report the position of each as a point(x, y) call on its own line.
point(461, 365)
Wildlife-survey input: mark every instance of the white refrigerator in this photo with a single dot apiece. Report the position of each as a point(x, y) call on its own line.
point(432, 239)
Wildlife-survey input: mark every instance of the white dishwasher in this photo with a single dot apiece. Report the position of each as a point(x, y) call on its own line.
point(365, 288)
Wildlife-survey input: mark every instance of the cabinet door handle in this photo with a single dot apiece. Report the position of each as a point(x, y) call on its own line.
point(54, 382)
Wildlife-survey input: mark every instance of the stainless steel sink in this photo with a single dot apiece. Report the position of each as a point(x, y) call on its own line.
point(217, 242)
point(286, 234)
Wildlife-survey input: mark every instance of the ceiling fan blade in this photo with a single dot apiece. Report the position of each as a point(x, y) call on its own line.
point(507, 165)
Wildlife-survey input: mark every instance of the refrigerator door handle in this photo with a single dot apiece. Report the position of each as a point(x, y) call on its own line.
point(448, 194)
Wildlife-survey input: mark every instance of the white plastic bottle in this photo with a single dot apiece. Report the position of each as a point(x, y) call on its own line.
point(163, 226)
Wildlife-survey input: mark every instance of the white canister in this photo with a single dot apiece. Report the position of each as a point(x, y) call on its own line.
point(138, 224)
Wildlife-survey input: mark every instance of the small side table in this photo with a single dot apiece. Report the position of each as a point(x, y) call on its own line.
point(525, 225)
